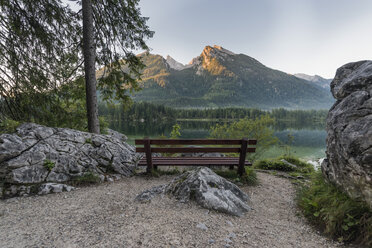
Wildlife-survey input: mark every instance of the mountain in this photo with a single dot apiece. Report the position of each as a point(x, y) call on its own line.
point(221, 78)
point(320, 81)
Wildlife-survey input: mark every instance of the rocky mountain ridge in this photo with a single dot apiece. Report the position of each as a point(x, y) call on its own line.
point(221, 78)
point(322, 82)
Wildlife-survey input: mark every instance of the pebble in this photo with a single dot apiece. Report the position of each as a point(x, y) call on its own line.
point(227, 240)
point(232, 235)
point(116, 221)
point(202, 226)
point(211, 241)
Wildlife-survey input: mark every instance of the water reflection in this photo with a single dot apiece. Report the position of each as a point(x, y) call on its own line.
point(309, 135)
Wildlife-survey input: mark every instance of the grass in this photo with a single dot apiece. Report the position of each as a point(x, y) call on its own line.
point(49, 165)
point(336, 214)
point(294, 165)
point(249, 178)
point(86, 179)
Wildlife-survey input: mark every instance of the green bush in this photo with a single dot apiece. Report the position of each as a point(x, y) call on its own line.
point(249, 178)
point(258, 128)
point(8, 126)
point(278, 164)
point(267, 164)
point(334, 212)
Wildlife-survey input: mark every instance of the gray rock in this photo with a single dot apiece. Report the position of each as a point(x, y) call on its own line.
point(232, 235)
point(349, 141)
point(227, 240)
point(211, 241)
point(229, 223)
point(206, 188)
point(289, 164)
point(148, 195)
point(37, 154)
point(202, 226)
point(48, 188)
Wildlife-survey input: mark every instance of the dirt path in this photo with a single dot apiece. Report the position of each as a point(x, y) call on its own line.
point(106, 216)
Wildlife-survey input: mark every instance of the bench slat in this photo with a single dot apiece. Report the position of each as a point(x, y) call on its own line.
point(165, 162)
point(194, 142)
point(195, 149)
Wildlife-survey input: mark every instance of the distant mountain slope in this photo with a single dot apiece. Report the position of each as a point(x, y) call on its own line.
point(322, 82)
point(219, 78)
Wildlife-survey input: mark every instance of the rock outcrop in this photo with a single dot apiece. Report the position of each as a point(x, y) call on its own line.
point(206, 188)
point(36, 155)
point(349, 126)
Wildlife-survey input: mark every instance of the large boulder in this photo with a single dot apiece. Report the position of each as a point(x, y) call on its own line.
point(36, 155)
point(349, 126)
point(206, 188)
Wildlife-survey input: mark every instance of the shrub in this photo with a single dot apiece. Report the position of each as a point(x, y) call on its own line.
point(280, 165)
point(249, 178)
point(8, 126)
point(267, 164)
point(259, 128)
point(334, 212)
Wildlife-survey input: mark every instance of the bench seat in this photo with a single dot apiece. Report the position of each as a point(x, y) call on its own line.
point(173, 146)
point(193, 161)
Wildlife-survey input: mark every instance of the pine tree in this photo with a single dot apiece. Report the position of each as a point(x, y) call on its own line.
point(41, 48)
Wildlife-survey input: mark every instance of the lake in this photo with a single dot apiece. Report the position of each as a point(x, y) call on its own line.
point(308, 143)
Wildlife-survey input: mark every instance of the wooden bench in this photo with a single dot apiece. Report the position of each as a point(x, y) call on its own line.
point(154, 162)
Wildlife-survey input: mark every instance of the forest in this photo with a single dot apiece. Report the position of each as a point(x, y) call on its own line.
point(148, 112)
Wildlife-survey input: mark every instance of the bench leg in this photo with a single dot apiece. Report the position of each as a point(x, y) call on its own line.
point(147, 147)
point(243, 153)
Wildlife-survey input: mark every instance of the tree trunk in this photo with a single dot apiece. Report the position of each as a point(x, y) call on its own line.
point(89, 51)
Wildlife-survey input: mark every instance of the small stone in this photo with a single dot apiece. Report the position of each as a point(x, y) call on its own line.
point(232, 235)
point(229, 223)
point(211, 241)
point(202, 226)
point(227, 240)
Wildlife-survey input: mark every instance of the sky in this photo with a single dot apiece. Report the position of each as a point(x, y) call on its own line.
point(294, 36)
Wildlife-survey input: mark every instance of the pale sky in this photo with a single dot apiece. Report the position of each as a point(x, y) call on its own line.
point(295, 36)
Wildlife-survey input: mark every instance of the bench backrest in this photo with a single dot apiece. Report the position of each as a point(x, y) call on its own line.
point(148, 142)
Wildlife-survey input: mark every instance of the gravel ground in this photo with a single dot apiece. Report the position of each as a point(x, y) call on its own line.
point(106, 216)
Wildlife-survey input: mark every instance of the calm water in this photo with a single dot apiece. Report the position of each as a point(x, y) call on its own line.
point(308, 142)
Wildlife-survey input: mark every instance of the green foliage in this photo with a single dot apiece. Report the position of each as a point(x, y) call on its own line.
point(86, 179)
point(267, 164)
point(258, 128)
point(32, 83)
point(249, 178)
point(8, 125)
point(334, 212)
point(279, 165)
point(175, 134)
point(103, 124)
point(49, 165)
point(288, 144)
